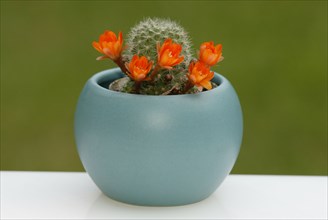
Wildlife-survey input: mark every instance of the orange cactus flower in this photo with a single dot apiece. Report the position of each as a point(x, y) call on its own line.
point(210, 54)
point(139, 67)
point(109, 45)
point(200, 75)
point(169, 54)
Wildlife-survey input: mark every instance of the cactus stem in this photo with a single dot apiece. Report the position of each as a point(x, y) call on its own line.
point(154, 72)
point(137, 85)
point(120, 63)
point(188, 86)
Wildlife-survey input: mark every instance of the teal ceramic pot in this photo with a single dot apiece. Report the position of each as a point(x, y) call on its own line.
point(157, 150)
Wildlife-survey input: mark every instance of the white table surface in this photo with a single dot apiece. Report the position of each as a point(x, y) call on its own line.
point(72, 195)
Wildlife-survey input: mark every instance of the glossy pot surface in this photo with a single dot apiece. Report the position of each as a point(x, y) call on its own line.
point(157, 150)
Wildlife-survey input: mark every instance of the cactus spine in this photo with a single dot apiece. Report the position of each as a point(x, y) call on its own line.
point(143, 39)
point(144, 36)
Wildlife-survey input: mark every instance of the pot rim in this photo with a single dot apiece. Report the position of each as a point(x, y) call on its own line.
point(104, 76)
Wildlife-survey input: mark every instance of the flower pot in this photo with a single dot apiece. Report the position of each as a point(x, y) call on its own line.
point(157, 150)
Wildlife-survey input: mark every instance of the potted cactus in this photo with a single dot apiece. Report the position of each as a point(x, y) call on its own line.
point(162, 129)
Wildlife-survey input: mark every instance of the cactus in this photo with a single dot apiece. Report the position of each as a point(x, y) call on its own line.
point(143, 39)
point(158, 60)
point(144, 36)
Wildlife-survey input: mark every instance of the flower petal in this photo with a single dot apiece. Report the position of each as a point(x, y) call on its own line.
point(139, 67)
point(101, 57)
point(210, 54)
point(97, 46)
point(109, 44)
point(206, 84)
point(169, 54)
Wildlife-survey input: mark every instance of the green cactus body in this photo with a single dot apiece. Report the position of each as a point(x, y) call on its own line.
point(144, 36)
point(143, 39)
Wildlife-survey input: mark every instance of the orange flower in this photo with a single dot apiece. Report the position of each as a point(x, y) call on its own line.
point(168, 54)
point(200, 75)
point(109, 45)
point(139, 68)
point(210, 54)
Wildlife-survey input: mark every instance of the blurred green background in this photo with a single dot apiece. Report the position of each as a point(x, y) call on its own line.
point(275, 56)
